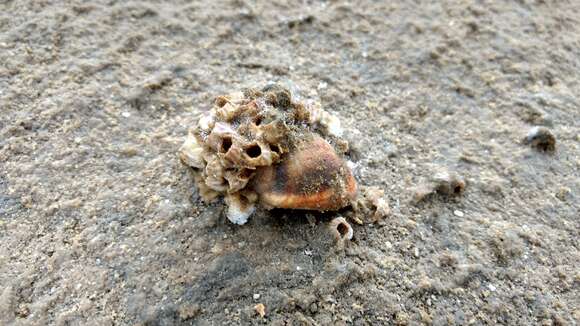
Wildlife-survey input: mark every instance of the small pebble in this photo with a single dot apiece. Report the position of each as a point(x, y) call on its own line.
point(313, 307)
point(458, 213)
point(256, 296)
point(541, 139)
point(449, 183)
point(445, 183)
point(564, 194)
point(126, 114)
point(260, 309)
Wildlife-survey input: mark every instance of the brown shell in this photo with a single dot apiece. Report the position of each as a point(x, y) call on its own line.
point(311, 177)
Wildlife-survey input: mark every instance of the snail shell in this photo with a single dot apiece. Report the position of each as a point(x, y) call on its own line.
point(312, 177)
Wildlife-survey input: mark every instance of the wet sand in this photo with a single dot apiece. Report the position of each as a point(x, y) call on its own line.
point(100, 223)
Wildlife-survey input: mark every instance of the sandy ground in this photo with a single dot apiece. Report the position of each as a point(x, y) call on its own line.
point(100, 223)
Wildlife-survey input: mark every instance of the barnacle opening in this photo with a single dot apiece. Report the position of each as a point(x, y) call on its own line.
point(254, 151)
point(342, 229)
point(275, 148)
point(226, 144)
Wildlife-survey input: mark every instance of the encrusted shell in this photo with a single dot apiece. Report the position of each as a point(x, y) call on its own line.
point(261, 146)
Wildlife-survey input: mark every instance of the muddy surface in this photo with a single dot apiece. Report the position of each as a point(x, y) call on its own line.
point(100, 222)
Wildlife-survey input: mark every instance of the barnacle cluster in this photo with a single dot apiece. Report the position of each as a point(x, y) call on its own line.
point(260, 145)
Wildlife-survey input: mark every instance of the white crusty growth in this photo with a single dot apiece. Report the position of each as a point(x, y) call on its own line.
point(330, 123)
